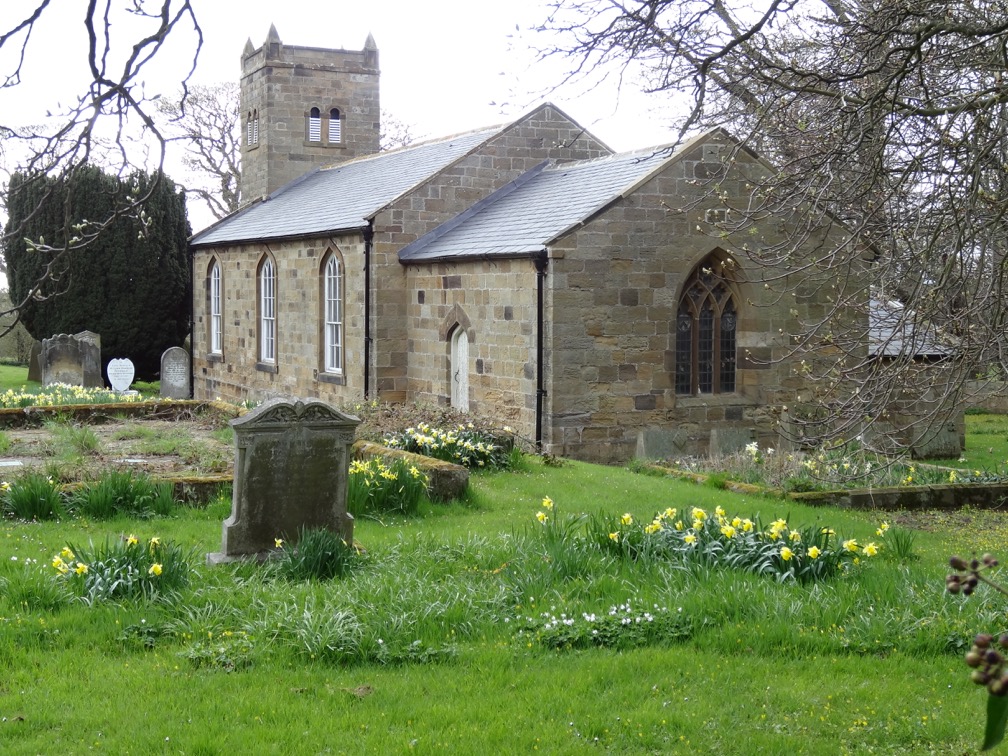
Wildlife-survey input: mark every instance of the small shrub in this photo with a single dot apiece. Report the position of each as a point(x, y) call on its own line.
point(33, 496)
point(123, 569)
point(464, 445)
point(34, 590)
point(5, 443)
point(119, 492)
point(228, 651)
point(374, 486)
point(320, 554)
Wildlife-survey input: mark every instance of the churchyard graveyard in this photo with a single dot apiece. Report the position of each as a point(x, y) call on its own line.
point(557, 606)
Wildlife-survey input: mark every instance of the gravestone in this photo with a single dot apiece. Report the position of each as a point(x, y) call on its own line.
point(175, 374)
point(120, 374)
point(292, 459)
point(728, 440)
point(72, 359)
point(34, 368)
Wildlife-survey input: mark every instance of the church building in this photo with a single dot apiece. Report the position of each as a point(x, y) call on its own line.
point(523, 271)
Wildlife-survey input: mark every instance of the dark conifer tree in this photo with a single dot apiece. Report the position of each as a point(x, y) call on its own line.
point(72, 269)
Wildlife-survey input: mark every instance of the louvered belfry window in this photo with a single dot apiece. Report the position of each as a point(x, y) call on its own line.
point(335, 127)
point(315, 125)
point(705, 341)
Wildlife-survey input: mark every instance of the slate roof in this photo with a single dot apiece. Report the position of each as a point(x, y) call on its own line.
point(342, 197)
point(538, 207)
point(894, 332)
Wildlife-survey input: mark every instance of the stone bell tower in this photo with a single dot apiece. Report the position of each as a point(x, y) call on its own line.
point(303, 107)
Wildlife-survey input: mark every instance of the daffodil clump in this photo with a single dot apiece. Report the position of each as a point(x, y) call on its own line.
point(377, 486)
point(125, 568)
point(463, 445)
point(718, 539)
point(61, 394)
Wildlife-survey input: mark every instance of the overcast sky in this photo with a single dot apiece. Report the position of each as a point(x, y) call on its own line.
point(446, 65)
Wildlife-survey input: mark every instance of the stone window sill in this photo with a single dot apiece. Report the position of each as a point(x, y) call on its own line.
point(266, 367)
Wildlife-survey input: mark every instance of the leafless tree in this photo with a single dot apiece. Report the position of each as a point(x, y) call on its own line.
point(395, 133)
point(883, 119)
point(207, 122)
point(110, 119)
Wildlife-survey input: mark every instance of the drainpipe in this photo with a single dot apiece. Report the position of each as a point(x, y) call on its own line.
point(540, 261)
point(192, 323)
point(368, 236)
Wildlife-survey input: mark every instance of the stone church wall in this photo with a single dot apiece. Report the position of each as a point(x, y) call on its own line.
point(237, 374)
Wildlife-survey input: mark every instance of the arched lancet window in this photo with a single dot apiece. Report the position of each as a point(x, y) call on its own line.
point(255, 126)
point(216, 308)
point(267, 311)
point(248, 130)
point(706, 325)
point(332, 327)
point(335, 127)
point(315, 125)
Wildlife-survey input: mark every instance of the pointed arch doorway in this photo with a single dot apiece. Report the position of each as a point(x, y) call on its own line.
point(459, 369)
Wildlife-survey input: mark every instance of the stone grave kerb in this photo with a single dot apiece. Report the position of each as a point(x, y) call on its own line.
point(292, 460)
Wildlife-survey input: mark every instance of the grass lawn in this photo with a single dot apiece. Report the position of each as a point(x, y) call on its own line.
point(442, 639)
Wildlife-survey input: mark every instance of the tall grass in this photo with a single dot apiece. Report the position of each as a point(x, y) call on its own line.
point(495, 645)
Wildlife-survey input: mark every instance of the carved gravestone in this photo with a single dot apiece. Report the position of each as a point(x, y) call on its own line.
point(120, 374)
point(175, 374)
point(74, 360)
point(34, 369)
point(291, 465)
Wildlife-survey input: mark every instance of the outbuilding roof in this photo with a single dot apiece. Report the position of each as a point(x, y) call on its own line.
point(341, 197)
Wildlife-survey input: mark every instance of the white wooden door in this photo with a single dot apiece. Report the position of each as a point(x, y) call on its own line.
point(460, 370)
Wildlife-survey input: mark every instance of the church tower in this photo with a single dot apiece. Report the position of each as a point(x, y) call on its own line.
point(303, 107)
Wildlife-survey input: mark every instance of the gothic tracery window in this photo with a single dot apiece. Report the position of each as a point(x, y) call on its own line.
point(706, 325)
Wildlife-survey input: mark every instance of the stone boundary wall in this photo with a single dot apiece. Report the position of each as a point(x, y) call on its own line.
point(944, 497)
point(991, 396)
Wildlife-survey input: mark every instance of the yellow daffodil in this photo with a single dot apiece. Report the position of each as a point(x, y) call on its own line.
point(614, 536)
point(698, 514)
point(736, 522)
point(626, 519)
point(679, 525)
point(66, 553)
point(747, 525)
point(132, 540)
point(670, 512)
point(547, 502)
point(728, 531)
point(870, 549)
point(851, 545)
point(795, 536)
point(58, 563)
point(81, 568)
point(542, 517)
point(155, 569)
point(697, 524)
point(654, 527)
point(689, 538)
point(786, 553)
point(814, 552)
point(155, 542)
point(278, 542)
point(882, 529)
point(719, 511)
point(5, 486)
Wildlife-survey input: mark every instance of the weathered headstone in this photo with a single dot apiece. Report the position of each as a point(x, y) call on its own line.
point(292, 459)
point(74, 360)
point(34, 369)
point(120, 374)
point(175, 374)
point(728, 440)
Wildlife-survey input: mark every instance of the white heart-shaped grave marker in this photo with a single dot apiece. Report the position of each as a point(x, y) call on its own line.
point(120, 374)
